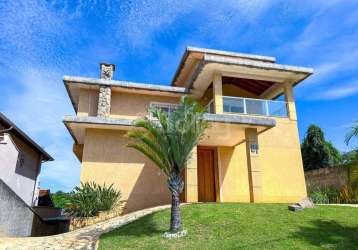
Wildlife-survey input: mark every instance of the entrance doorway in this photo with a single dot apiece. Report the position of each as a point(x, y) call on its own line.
point(206, 174)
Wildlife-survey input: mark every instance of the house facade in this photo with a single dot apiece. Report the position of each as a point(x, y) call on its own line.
point(250, 152)
point(20, 166)
point(20, 161)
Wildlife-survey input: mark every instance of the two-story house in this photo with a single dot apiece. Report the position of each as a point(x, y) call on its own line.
point(20, 166)
point(250, 153)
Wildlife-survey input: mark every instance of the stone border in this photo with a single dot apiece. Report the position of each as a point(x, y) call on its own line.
point(84, 238)
point(339, 205)
point(77, 223)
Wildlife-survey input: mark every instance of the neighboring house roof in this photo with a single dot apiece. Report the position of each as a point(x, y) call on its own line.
point(10, 127)
point(45, 198)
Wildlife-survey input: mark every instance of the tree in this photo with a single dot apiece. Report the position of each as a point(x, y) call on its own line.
point(316, 151)
point(350, 157)
point(334, 156)
point(168, 141)
point(61, 199)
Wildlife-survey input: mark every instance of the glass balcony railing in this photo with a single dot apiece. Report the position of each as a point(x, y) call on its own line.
point(249, 106)
point(239, 105)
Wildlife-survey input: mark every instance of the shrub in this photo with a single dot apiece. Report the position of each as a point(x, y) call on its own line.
point(324, 195)
point(61, 199)
point(319, 197)
point(348, 195)
point(90, 198)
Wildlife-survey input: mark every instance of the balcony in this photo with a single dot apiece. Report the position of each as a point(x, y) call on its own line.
point(225, 129)
point(250, 106)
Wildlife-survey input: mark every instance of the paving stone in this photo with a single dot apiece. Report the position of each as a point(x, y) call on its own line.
point(295, 208)
point(84, 238)
point(306, 203)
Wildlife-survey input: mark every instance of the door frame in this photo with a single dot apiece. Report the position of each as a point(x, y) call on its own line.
point(215, 169)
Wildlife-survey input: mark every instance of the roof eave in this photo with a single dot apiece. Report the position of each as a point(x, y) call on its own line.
point(204, 51)
point(45, 156)
point(74, 104)
point(267, 66)
point(125, 84)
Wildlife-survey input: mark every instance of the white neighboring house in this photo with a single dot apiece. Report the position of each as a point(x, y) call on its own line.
point(20, 161)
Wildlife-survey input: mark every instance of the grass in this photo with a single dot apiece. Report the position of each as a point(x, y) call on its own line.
point(243, 226)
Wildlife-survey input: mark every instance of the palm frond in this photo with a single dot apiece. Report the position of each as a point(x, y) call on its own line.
point(151, 143)
point(352, 133)
point(169, 139)
point(144, 150)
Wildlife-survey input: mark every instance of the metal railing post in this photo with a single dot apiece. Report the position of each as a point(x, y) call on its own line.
point(267, 108)
point(245, 111)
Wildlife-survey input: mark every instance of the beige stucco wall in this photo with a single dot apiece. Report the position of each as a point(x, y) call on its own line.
point(232, 90)
point(106, 159)
point(132, 106)
point(233, 174)
point(281, 163)
point(88, 102)
point(227, 90)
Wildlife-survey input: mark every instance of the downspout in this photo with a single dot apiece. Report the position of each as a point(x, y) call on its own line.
point(35, 193)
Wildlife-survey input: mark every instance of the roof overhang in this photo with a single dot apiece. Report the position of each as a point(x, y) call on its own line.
point(192, 55)
point(225, 130)
point(77, 125)
point(12, 128)
point(233, 67)
point(197, 67)
point(74, 84)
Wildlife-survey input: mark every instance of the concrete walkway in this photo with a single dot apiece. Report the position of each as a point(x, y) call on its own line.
point(84, 238)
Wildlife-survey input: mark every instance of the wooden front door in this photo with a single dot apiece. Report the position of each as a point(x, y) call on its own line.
point(206, 174)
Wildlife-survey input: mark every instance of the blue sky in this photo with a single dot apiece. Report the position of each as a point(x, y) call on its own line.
point(40, 41)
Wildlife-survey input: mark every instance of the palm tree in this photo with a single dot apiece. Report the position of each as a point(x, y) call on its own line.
point(168, 141)
point(352, 133)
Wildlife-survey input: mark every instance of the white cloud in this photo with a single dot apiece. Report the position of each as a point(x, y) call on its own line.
point(29, 30)
point(144, 20)
point(38, 110)
point(345, 90)
point(329, 46)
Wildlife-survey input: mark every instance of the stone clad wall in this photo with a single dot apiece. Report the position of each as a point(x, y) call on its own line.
point(104, 101)
point(77, 223)
point(327, 177)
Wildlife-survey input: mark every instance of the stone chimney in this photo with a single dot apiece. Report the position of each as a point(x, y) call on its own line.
point(104, 98)
point(107, 70)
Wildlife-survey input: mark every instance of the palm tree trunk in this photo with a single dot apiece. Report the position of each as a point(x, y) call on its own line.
point(175, 218)
point(176, 186)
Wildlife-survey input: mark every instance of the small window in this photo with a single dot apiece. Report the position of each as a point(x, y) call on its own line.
point(3, 139)
point(21, 160)
point(166, 107)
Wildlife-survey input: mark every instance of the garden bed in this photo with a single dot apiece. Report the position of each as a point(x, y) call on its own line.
point(80, 222)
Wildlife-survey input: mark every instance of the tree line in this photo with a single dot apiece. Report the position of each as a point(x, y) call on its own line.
point(317, 152)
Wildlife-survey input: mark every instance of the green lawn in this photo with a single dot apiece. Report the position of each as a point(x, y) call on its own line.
point(243, 226)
